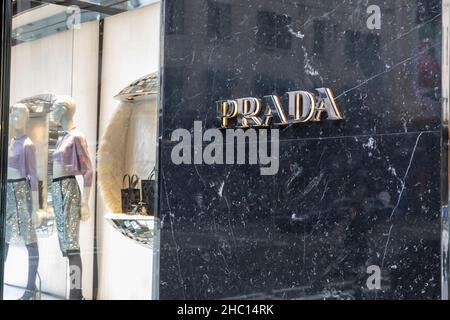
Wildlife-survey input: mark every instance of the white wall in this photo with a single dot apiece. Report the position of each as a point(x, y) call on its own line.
point(64, 63)
point(130, 51)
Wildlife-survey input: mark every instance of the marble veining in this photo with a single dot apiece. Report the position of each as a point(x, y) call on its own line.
point(360, 192)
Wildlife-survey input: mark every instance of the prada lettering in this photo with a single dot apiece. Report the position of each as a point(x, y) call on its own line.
point(302, 107)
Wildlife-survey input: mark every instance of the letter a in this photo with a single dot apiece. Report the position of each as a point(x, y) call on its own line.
point(374, 281)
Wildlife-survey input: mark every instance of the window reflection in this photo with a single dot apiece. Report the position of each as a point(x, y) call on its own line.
point(273, 30)
point(319, 37)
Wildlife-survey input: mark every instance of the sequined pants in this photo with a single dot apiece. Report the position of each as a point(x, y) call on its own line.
point(19, 222)
point(66, 199)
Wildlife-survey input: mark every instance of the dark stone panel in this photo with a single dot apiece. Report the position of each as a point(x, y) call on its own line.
point(349, 194)
point(385, 80)
point(336, 206)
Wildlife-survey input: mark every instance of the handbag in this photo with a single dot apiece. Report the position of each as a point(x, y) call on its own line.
point(130, 196)
point(148, 192)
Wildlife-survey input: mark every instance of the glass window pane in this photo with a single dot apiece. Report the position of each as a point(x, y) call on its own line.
point(82, 150)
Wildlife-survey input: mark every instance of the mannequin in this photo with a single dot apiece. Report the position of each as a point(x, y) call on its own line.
point(22, 195)
point(70, 159)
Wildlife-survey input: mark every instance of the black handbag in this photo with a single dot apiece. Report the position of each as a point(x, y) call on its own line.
point(148, 192)
point(130, 196)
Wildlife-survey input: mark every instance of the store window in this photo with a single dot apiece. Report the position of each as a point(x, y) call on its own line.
point(82, 152)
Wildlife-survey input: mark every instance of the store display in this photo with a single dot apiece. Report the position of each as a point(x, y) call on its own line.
point(66, 198)
point(138, 228)
point(148, 191)
point(70, 159)
point(48, 225)
point(112, 165)
point(82, 254)
point(22, 195)
point(147, 85)
point(19, 218)
point(130, 195)
point(39, 107)
point(39, 104)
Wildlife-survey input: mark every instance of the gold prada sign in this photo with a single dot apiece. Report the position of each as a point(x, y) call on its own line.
point(303, 107)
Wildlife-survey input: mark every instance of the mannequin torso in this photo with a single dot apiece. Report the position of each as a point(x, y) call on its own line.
point(71, 157)
point(20, 160)
point(58, 168)
point(22, 156)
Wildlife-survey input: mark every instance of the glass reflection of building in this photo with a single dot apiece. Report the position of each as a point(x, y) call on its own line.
point(313, 42)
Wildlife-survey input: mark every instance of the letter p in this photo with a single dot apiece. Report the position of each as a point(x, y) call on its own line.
point(228, 109)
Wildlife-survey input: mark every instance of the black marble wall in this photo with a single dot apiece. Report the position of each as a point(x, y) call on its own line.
point(350, 194)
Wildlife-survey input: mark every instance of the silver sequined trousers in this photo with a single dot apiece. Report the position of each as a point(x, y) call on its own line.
point(19, 223)
point(66, 199)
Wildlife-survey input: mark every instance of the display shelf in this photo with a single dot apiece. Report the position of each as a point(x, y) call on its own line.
point(137, 228)
point(140, 89)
